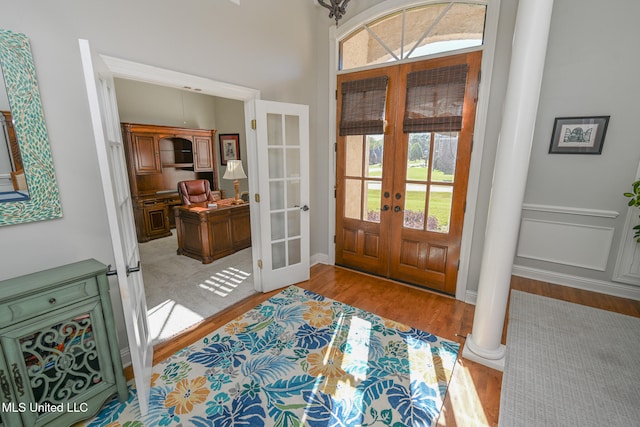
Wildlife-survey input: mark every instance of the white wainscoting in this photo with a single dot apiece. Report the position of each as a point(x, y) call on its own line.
point(627, 268)
point(578, 245)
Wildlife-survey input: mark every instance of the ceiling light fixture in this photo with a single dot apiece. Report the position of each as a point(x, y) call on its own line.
point(337, 8)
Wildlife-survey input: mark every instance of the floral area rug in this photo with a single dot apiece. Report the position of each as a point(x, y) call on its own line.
point(298, 359)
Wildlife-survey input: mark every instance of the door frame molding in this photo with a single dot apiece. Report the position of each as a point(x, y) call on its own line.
point(482, 110)
point(135, 71)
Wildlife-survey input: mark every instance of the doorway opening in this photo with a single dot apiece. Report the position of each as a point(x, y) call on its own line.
point(181, 291)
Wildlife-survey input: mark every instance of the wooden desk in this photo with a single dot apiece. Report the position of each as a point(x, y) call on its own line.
point(208, 234)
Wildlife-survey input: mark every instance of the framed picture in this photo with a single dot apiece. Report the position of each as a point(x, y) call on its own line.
point(229, 147)
point(578, 135)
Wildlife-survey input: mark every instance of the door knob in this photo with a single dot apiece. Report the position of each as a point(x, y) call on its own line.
point(397, 209)
point(385, 208)
point(302, 208)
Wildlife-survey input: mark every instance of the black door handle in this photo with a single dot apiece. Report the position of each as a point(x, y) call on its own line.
point(134, 269)
point(397, 209)
point(385, 208)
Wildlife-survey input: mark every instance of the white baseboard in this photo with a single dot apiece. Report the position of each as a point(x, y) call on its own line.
point(594, 285)
point(471, 297)
point(319, 259)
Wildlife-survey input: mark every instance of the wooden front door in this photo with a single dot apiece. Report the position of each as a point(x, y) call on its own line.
point(403, 153)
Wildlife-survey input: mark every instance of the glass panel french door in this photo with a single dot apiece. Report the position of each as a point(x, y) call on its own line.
point(110, 148)
point(284, 193)
point(363, 180)
point(400, 196)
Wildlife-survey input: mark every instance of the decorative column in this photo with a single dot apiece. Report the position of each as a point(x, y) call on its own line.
point(529, 47)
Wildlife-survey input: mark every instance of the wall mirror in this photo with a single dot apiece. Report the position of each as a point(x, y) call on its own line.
point(25, 155)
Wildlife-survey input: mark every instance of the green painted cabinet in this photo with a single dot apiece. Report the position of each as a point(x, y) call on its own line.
point(59, 357)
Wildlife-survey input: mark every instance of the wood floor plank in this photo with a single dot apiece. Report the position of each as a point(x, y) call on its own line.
point(473, 398)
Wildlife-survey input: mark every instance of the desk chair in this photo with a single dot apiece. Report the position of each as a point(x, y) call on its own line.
point(197, 191)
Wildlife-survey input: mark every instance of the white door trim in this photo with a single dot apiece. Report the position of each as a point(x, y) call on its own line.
point(482, 110)
point(130, 70)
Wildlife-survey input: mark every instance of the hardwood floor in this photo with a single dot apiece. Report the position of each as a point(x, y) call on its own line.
point(473, 398)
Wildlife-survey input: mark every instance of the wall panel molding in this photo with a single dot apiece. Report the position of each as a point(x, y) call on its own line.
point(570, 210)
point(577, 245)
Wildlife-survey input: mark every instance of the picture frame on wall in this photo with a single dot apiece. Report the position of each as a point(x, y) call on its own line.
point(229, 147)
point(578, 135)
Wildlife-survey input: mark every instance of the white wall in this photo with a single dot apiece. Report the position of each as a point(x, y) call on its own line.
point(230, 119)
point(591, 70)
point(264, 45)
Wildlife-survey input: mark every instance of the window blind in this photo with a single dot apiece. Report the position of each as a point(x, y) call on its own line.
point(434, 99)
point(363, 106)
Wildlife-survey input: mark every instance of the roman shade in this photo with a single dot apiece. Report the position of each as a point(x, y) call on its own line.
point(363, 106)
point(434, 99)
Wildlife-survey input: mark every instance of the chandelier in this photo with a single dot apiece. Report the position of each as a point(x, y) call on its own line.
point(337, 8)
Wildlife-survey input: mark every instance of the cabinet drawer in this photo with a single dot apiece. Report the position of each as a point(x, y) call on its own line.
point(24, 308)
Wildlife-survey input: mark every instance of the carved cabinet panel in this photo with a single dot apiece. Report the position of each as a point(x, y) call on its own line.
point(59, 359)
point(145, 150)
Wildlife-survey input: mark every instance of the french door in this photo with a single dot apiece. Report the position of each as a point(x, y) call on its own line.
point(283, 148)
point(111, 161)
point(405, 134)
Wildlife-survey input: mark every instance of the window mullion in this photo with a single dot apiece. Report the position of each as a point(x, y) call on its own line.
point(428, 30)
point(376, 38)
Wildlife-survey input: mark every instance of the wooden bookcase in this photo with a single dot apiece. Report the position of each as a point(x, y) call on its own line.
point(158, 157)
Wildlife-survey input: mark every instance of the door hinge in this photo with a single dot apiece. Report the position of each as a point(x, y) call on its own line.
point(336, 94)
point(260, 264)
point(334, 239)
point(464, 208)
point(257, 197)
point(254, 124)
point(335, 147)
point(458, 266)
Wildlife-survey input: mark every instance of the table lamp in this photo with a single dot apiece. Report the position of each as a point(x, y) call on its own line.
point(235, 172)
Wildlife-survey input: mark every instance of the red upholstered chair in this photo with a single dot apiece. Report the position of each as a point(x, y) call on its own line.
point(197, 191)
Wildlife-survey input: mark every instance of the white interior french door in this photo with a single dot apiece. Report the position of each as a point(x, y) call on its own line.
point(111, 159)
point(283, 150)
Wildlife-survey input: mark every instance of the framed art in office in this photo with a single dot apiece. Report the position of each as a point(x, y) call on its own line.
point(229, 147)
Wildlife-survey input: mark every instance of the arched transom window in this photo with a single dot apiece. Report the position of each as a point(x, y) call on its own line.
point(413, 33)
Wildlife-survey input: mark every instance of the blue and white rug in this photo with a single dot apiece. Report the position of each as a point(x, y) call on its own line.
point(298, 359)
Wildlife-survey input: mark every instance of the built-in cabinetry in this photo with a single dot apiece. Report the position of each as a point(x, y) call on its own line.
point(59, 357)
point(158, 157)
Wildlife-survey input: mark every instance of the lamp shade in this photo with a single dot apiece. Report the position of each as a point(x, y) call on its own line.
point(234, 170)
